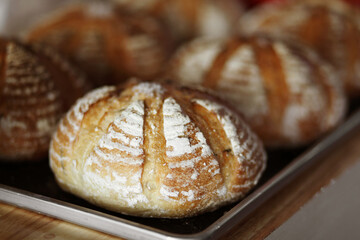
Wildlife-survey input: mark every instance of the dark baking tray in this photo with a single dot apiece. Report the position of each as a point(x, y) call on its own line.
point(32, 186)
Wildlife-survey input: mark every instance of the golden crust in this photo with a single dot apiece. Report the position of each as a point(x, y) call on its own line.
point(332, 28)
point(36, 87)
point(154, 150)
point(288, 95)
point(187, 19)
point(108, 46)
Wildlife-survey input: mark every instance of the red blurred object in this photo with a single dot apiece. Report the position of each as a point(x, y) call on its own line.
point(252, 3)
point(355, 2)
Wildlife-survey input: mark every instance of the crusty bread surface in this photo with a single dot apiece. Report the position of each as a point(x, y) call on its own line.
point(155, 150)
point(286, 92)
point(108, 46)
point(36, 87)
point(187, 19)
point(332, 28)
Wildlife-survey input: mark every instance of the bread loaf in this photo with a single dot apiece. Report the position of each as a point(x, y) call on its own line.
point(288, 95)
point(154, 150)
point(187, 19)
point(334, 34)
point(107, 46)
point(36, 87)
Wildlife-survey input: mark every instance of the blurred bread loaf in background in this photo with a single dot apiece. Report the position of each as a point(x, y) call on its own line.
point(187, 19)
point(37, 87)
point(285, 91)
point(108, 46)
point(331, 27)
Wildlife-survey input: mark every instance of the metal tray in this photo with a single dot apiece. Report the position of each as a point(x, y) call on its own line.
point(32, 186)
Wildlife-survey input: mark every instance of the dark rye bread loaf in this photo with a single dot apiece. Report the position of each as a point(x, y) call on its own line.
point(288, 95)
point(36, 87)
point(154, 150)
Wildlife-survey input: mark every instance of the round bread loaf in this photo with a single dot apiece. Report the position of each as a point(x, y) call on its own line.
point(155, 150)
point(109, 47)
point(335, 35)
point(288, 95)
point(36, 87)
point(187, 19)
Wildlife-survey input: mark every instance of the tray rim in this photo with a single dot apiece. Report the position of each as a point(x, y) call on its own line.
point(124, 228)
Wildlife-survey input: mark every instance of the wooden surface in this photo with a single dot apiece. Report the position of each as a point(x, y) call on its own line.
point(17, 223)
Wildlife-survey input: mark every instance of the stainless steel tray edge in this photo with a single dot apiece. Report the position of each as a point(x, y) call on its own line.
point(83, 216)
point(283, 177)
point(130, 230)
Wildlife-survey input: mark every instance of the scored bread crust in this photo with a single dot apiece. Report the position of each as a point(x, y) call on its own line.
point(107, 45)
point(287, 94)
point(329, 27)
point(155, 150)
point(36, 87)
